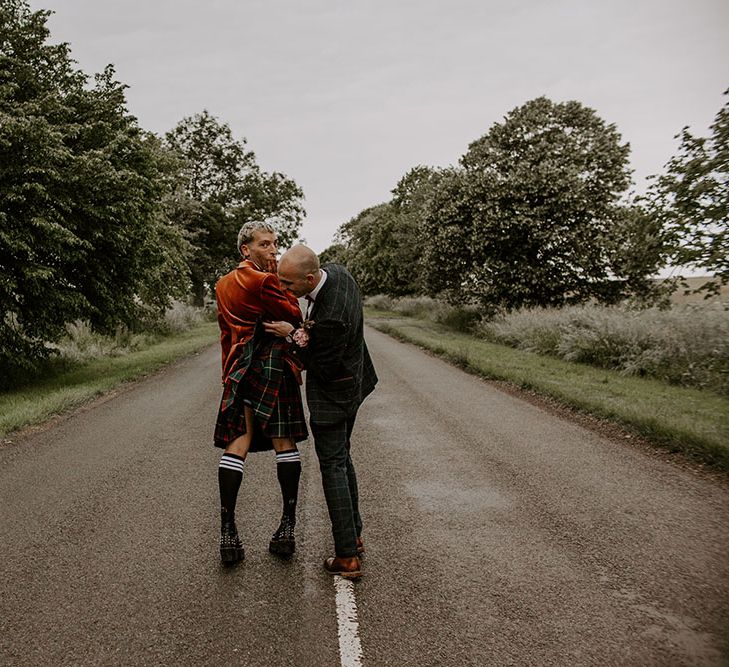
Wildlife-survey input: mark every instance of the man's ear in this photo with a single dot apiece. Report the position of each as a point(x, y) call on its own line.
point(244, 251)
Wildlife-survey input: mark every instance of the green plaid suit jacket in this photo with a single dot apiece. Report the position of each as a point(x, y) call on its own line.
point(339, 370)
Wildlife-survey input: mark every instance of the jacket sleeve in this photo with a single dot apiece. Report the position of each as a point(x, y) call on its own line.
point(324, 357)
point(225, 332)
point(277, 303)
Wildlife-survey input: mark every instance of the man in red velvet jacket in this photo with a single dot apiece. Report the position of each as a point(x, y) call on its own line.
point(261, 405)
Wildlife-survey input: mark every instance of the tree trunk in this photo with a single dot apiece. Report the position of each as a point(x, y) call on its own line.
point(198, 294)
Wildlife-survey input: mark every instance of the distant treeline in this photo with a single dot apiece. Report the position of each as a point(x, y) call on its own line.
point(538, 213)
point(100, 220)
point(104, 222)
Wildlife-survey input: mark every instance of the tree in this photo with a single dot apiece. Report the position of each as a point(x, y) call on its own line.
point(365, 238)
point(337, 252)
point(692, 200)
point(450, 225)
point(272, 195)
point(636, 247)
point(377, 247)
point(226, 188)
point(120, 181)
point(82, 228)
point(378, 244)
point(411, 199)
point(528, 221)
point(35, 297)
point(414, 189)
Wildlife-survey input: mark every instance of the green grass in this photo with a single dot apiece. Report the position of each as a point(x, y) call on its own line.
point(37, 401)
point(682, 419)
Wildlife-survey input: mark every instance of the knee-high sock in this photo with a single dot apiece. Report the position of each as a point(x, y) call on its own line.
point(230, 474)
point(288, 471)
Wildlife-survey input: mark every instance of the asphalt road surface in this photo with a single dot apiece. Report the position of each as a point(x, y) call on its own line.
point(497, 534)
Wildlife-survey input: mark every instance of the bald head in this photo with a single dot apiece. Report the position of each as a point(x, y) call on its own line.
point(301, 258)
point(298, 270)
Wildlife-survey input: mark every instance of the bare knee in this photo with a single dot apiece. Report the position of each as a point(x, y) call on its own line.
point(283, 444)
point(239, 446)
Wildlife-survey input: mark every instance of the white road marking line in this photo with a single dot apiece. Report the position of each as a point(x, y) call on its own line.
point(350, 650)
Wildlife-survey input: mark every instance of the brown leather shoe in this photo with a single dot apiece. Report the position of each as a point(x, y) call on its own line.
point(360, 546)
point(347, 567)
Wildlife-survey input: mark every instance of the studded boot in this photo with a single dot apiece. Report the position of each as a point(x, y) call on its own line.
point(231, 549)
point(283, 542)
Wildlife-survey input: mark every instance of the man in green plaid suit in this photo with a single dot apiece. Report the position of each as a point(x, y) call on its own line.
point(339, 375)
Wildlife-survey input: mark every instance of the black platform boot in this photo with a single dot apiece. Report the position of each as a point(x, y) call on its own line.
point(231, 549)
point(283, 542)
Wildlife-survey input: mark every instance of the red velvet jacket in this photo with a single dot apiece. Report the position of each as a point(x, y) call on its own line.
point(245, 296)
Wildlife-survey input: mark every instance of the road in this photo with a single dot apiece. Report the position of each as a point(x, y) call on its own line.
point(497, 534)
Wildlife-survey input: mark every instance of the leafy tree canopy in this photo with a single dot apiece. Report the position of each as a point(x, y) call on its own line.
point(374, 250)
point(381, 244)
point(225, 188)
point(82, 227)
point(692, 200)
point(529, 219)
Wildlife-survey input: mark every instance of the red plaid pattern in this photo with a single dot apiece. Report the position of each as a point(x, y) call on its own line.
point(262, 378)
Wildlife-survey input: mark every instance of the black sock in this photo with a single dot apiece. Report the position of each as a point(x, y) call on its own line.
point(288, 471)
point(230, 474)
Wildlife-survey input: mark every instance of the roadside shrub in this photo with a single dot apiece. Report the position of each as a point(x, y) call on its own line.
point(686, 345)
point(379, 301)
point(460, 318)
point(81, 343)
point(181, 317)
point(423, 307)
point(532, 329)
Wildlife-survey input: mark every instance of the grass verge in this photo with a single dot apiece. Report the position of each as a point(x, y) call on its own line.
point(65, 390)
point(692, 421)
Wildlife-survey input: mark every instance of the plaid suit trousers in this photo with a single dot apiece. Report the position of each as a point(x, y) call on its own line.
point(332, 444)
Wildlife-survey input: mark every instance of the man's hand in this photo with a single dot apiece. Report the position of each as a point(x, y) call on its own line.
point(280, 329)
point(272, 265)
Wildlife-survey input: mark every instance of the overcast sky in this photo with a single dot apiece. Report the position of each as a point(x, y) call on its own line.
point(345, 97)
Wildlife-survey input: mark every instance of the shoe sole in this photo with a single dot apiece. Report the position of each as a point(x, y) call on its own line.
point(231, 556)
point(283, 549)
point(346, 575)
point(356, 574)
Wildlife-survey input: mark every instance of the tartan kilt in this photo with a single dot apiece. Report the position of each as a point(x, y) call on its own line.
point(262, 379)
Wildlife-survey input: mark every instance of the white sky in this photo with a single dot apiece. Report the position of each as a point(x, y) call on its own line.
point(345, 97)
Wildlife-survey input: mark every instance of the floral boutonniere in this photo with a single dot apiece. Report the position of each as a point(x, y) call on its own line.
point(301, 335)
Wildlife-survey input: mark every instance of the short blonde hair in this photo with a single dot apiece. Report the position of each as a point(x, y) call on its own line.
point(245, 235)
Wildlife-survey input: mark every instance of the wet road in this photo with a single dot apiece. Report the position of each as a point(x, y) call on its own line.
point(497, 534)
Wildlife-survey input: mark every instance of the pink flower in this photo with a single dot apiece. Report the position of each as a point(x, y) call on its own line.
point(301, 337)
